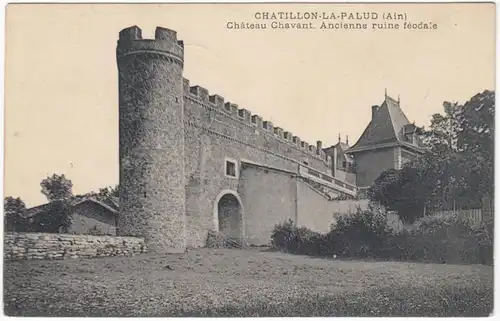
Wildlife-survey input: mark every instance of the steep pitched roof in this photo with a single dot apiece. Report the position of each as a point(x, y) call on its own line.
point(108, 205)
point(385, 129)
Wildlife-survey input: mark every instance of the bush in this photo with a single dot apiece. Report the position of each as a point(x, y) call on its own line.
point(360, 234)
point(288, 238)
point(451, 239)
point(366, 234)
point(57, 218)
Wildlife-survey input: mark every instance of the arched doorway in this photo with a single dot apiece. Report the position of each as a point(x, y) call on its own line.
point(229, 215)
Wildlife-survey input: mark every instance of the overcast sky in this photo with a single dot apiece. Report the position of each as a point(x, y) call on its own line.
point(61, 78)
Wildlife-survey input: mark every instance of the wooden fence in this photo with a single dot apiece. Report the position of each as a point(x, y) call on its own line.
point(475, 216)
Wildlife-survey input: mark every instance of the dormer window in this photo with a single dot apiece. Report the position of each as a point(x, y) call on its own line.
point(409, 132)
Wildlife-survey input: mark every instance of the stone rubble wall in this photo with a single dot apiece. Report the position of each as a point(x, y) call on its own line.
point(45, 246)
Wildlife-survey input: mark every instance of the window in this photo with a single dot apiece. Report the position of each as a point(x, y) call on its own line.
point(241, 113)
point(231, 169)
point(344, 164)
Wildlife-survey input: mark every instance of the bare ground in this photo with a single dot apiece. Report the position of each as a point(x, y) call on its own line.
point(223, 282)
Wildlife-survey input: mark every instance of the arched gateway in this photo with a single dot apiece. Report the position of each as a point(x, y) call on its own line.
point(228, 214)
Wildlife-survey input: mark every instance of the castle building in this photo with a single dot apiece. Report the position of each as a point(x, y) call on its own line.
point(191, 162)
point(389, 141)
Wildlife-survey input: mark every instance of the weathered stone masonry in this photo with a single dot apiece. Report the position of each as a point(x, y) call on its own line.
point(45, 246)
point(151, 122)
point(176, 141)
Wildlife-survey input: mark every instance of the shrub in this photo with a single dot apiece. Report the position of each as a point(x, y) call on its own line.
point(289, 238)
point(451, 239)
point(365, 233)
point(360, 234)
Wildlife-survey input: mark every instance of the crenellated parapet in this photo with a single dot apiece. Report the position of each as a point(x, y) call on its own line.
point(152, 161)
point(165, 45)
point(216, 102)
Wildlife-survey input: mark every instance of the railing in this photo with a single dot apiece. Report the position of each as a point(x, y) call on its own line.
point(328, 180)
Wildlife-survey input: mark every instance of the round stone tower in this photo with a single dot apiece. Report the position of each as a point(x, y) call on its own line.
point(151, 114)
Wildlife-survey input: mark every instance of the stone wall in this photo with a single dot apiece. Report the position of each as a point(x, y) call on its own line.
point(175, 141)
point(45, 246)
point(214, 135)
point(269, 198)
point(315, 211)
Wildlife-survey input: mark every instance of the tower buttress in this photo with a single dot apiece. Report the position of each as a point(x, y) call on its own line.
point(151, 137)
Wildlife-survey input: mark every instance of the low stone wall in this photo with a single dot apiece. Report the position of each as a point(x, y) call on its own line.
point(45, 246)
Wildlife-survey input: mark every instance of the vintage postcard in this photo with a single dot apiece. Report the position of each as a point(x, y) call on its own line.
point(249, 160)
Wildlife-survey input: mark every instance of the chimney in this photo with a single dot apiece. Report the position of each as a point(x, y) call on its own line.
point(374, 110)
point(319, 145)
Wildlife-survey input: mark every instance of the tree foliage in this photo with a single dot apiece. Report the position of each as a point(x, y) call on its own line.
point(57, 187)
point(105, 195)
point(14, 220)
point(405, 191)
point(57, 218)
point(456, 168)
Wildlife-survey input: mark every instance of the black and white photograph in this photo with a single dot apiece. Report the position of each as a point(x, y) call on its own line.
point(249, 159)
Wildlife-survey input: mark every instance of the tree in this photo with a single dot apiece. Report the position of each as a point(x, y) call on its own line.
point(476, 141)
point(442, 135)
point(14, 220)
point(57, 187)
point(457, 166)
point(406, 191)
point(58, 190)
point(105, 194)
point(108, 192)
point(57, 218)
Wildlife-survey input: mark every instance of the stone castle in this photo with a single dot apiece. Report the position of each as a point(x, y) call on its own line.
point(191, 162)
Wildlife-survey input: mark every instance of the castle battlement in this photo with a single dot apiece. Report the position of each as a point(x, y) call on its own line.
point(183, 155)
point(165, 44)
point(216, 102)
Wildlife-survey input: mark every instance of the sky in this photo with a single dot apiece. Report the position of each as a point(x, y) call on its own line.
point(61, 88)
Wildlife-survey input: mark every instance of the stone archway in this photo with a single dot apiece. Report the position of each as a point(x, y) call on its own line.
point(228, 214)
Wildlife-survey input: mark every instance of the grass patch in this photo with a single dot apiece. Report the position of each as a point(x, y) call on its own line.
point(230, 282)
